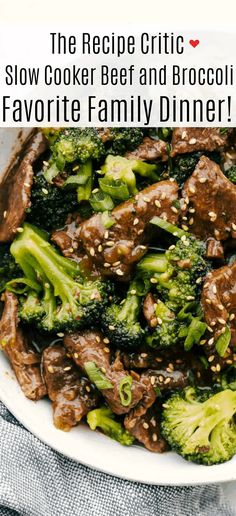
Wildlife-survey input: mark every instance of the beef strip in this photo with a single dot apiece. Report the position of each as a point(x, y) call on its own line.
point(211, 202)
point(149, 306)
point(149, 150)
point(24, 360)
point(15, 188)
point(142, 423)
point(219, 307)
point(192, 139)
point(73, 396)
point(89, 346)
point(115, 250)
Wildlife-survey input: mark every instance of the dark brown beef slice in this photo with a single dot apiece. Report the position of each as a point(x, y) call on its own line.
point(73, 396)
point(114, 251)
point(143, 423)
point(211, 202)
point(219, 307)
point(89, 346)
point(149, 150)
point(15, 188)
point(192, 139)
point(24, 360)
point(149, 305)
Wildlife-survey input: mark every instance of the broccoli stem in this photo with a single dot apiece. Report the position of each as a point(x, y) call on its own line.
point(130, 309)
point(104, 419)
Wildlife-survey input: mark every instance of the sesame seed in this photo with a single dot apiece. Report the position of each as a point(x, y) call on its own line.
point(157, 204)
point(191, 221)
point(213, 368)
point(19, 230)
point(143, 247)
point(229, 362)
point(184, 227)
point(218, 368)
point(163, 196)
point(159, 320)
point(133, 292)
point(167, 380)
point(174, 209)
point(192, 189)
point(153, 422)
point(140, 231)
point(192, 141)
point(190, 298)
point(60, 334)
point(110, 243)
point(119, 272)
point(164, 405)
point(208, 301)
point(231, 317)
point(202, 342)
point(45, 191)
point(106, 264)
point(202, 180)
point(212, 214)
point(220, 307)
point(103, 370)
point(154, 437)
point(172, 247)
point(211, 358)
point(160, 378)
point(146, 199)
point(100, 248)
point(5, 214)
point(146, 426)
point(221, 321)
point(183, 135)
point(106, 340)
point(211, 341)
point(27, 185)
point(136, 221)
point(234, 226)
point(92, 251)
point(106, 234)
point(191, 210)
point(153, 280)
point(45, 163)
point(171, 366)
point(198, 281)
point(143, 355)
point(115, 264)
point(98, 338)
point(106, 349)
point(95, 190)
point(87, 388)
point(214, 289)
point(153, 380)
point(111, 327)
point(71, 250)
point(68, 368)
point(50, 369)
point(76, 355)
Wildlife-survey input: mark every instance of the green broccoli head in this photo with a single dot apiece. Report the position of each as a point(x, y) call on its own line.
point(183, 166)
point(50, 205)
point(123, 139)
point(8, 267)
point(166, 332)
point(120, 321)
point(104, 419)
point(66, 300)
point(231, 174)
point(201, 430)
point(119, 179)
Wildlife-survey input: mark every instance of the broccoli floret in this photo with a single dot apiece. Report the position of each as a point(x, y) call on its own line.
point(120, 321)
point(231, 174)
point(177, 273)
point(50, 205)
point(160, 133)
point(167, 330)
point(8, 267)
point(201, 430)
point(183, 166)
point(123, 139)
point(119, 176)
point(104, 419)
point(67, 301)
point(74, 145)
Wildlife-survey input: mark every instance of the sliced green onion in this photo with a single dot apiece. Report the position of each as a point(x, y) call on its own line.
point(223, 342)
point(116, 188)
point(28, 283)
point(125, 390)
point(195, 331)
point(107, 220)
point(167, 226)
point(96, 376)
point(204, 361)
point(101, 201)
point(86, 172)
point(187, 310)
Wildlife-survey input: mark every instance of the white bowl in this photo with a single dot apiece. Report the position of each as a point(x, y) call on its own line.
point(92, 448)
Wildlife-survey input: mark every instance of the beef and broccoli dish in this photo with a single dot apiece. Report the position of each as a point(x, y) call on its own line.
point(118, 283)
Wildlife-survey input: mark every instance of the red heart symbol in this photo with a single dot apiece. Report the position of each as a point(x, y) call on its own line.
point(194, 42)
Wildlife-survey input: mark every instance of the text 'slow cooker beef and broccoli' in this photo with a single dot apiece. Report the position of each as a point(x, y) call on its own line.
point(118, 283)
